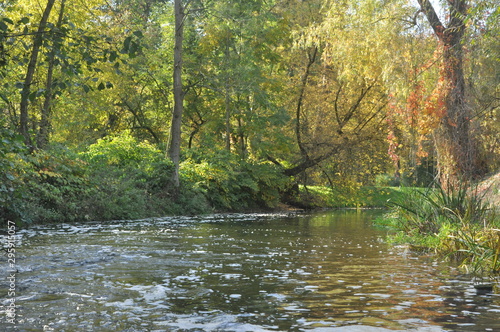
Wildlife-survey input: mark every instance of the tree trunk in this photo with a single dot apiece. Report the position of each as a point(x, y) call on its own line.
point(45, 122)
point(227, 97)
point(311, 57)
point(174, 149)
point(455, 145)
point(227, 105)
point(30, 73)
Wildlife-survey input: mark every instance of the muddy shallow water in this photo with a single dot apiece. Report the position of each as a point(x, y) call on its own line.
point(328, 271)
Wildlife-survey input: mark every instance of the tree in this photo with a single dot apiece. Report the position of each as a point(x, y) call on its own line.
point(340, 95)
point(234, 76)
point(30, 73)
point(45, 121)
point(174, 148)
point(455, 144)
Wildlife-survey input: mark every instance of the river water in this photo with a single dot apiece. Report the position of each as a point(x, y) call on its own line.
point(327, 271)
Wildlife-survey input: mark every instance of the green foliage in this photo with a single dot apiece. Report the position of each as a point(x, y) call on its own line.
point(232, 183)
point(456, 222)
point(476, 248)
point(424, 211)
point(12, 186)
point(132, 179)
point(348, 197)
point(128, 178)
point(57, 184)
point(122, 151)
point(386, 180)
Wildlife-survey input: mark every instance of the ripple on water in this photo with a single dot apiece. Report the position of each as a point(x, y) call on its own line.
point(327, 272)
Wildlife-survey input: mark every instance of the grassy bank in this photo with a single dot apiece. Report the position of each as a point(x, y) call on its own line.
point(460, 223)
point(359, 197)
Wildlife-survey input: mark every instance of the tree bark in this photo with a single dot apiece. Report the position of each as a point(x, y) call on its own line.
point(30, 73)
point(455, 145)
point(311, 56)
point(174, 149)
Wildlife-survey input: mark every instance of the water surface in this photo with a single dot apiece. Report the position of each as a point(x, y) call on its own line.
point(328, 271)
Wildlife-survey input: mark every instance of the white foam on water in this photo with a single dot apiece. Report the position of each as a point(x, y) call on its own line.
point(217, 323)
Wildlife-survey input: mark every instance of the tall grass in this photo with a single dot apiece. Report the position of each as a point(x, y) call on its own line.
point(453, 221)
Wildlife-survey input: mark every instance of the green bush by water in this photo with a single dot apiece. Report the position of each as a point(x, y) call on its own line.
point(121, 178)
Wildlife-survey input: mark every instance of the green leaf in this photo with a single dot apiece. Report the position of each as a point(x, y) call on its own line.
point(8, 20)
point(24, 20)
point(113, 56)
point(126, 44)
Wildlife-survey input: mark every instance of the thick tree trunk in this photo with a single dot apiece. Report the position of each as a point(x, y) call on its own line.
point(30, 73)
point(174, 149)
point(455, 145)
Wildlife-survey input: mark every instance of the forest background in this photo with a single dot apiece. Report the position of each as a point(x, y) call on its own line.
point(99, 120)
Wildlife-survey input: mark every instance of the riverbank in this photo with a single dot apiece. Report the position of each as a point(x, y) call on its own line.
point(490, 189)
point(348, 197)
point(121, 178)
point(462, 224)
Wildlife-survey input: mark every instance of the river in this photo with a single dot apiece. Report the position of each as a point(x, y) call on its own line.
point(326, 271)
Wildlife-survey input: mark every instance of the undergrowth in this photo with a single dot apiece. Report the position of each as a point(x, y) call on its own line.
point(121, 178)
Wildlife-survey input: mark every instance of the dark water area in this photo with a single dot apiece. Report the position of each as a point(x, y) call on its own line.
point(327, 271)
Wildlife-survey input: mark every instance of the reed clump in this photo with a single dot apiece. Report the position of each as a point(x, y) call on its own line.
point(454, 221)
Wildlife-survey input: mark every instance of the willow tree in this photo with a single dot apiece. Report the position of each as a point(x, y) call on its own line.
point(340, 98)
point(454, 140)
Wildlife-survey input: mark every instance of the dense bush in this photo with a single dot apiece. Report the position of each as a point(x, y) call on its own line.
point(57, 186)
point(121, 178)
point(131, 179)
point(231, 183)
point(12, 187)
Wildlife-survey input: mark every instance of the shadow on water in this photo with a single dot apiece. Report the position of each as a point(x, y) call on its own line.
point(328, 271)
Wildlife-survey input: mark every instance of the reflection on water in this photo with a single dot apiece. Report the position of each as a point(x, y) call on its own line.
point(328, 271)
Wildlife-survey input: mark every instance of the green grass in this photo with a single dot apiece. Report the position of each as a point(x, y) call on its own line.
point(363, 197)
point(456, 222)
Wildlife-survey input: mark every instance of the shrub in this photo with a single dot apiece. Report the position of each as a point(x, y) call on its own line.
point(386, 180)
point(56, 184)
point(130, 179)
point(12, 186)
point(121, 151)
point(231, 183)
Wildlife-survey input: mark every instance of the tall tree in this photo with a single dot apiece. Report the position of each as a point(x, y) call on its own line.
point(454, 141)
point(45, 122)
point(30, 73)
point(174, 149)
